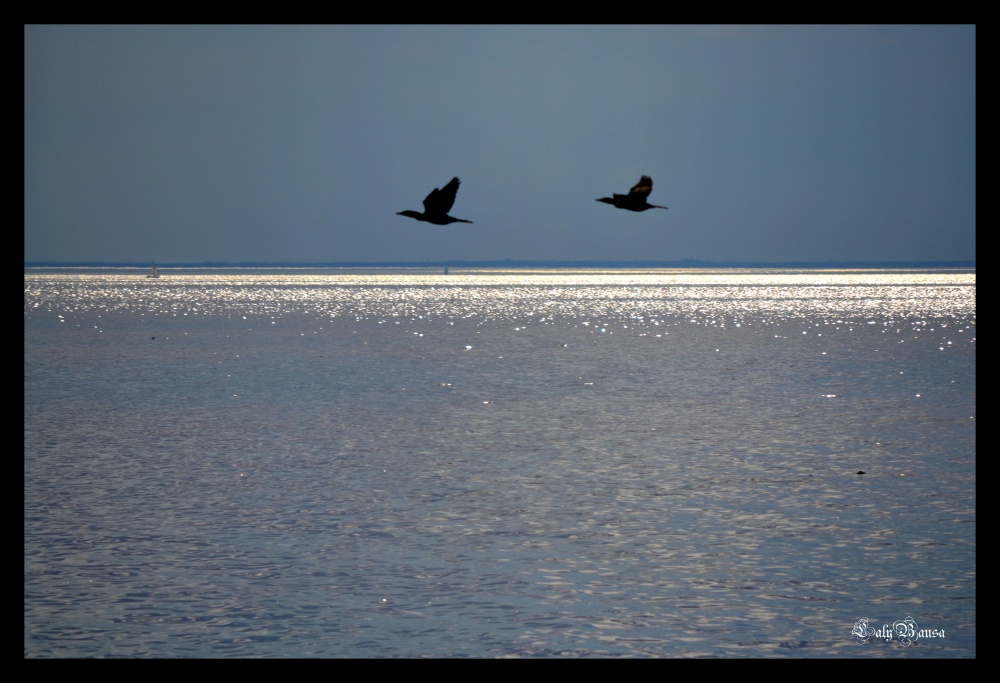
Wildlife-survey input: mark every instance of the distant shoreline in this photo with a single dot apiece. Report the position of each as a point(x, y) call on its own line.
point(685, 263)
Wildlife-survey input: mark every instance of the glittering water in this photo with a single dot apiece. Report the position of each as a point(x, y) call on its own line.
point(329, 463)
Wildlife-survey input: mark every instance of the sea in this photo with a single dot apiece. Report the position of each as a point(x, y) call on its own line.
point(407, 463)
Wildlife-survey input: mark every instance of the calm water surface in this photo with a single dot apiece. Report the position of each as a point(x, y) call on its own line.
point(331, 463)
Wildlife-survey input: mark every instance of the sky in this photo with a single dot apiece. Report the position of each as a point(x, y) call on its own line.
point(284, 143)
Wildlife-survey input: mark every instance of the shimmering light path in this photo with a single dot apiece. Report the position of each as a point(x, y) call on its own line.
point(641, 297)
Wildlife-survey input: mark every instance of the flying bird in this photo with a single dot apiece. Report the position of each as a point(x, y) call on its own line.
point(437, 205)
point(635, 200)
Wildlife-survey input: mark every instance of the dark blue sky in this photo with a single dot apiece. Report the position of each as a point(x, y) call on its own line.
point(300, 143)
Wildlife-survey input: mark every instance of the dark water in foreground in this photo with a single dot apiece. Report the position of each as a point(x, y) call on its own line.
point(285, 464)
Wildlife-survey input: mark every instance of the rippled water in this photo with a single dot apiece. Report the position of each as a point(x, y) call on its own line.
point(328, 463)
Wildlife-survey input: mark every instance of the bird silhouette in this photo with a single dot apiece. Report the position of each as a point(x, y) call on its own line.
point(437, 205)
point(635, 200)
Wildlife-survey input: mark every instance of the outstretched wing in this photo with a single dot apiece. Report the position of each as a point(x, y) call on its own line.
point(440, 201)
point(641, 189)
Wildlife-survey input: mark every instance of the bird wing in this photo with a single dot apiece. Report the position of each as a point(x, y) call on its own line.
point(642, 188)
point(441, 200)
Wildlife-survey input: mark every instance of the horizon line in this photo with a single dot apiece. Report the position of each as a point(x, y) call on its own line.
point(510, 263)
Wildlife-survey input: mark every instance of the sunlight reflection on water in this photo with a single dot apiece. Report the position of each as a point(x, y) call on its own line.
point(632, 295)
point(493, 464)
